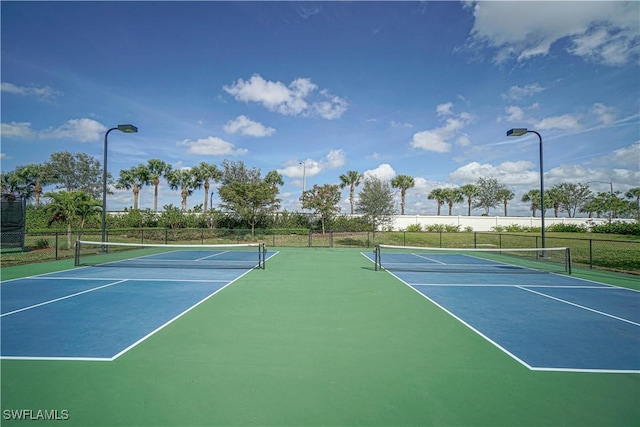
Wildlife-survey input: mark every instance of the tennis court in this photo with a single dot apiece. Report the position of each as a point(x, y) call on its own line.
point(126, 295)
point(544, 320)
point(318, 337)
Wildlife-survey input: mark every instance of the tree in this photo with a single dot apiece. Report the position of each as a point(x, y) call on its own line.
point(552, 198)
point(13, 187)
point(403, 182)
point(71, 206)
point(571, 197)
point(504, 195)
point(246, 194)
point(533, 197)
point(375, 202)
point(185, 181)
point(133, 179)
point(487, 194)
point(33, 176)
point(634, 193)
point(437, 194)
point(323, 201)
point(351, 179)
point(75, 172)
point(469, 191)
point(206, 172)
point(157, 169)
point(451, 197)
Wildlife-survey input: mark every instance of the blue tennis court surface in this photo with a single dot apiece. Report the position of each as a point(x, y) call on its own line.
point(545, 321)
point(98, 313)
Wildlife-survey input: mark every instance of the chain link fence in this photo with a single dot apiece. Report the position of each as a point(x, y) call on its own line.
point(613, 255)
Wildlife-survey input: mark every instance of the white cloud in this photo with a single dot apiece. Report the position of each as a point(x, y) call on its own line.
point(606, 115)
point(16, 130)
point(603, 32)
point(430, 141)
point(563, 122)
point(519, 92)
point(385, 172)
point(246, 126)
point(4, 156)
point(83, 130)
point(444, 109)
point(297, 169)
point(42, 93)
point(437, 139)
point(509, 173)
point(395, 124)
point(625, 157)
point(212, 146)
point(292, 100)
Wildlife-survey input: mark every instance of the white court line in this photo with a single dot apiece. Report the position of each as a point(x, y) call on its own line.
point(62, 298)
point(128, 278)
point(428, 259)
point(506, 285)
point(580, 306)
point(211, 256)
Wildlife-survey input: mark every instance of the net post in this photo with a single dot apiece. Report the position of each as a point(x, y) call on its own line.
point(376, 251)
point(76, 260)
point(263, 253)
point(568, 255)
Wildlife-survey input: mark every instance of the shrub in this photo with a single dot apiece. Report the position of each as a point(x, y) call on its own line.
point(618, 227)
point(42, 244)
point(567, 228)
point(414, 227)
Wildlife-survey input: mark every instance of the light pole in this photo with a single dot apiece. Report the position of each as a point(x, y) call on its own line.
point(304, 183)
point(121, 128)
point(304, 175)
point(520, 132)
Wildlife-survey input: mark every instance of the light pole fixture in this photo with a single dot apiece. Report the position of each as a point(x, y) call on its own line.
point(520, 132)
point(121, 128)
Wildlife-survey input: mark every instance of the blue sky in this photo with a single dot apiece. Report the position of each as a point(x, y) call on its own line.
point(427, 89)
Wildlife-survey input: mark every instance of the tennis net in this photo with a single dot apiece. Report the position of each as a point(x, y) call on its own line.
point(452, 260)
point(112, 254)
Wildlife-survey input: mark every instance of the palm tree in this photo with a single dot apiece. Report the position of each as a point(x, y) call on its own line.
point(451, 197)
point(14, 187)
point(204, 173)
point(351, 179)
point(403, 182)
point(533, 197)
point(157, 169)
point(184, 180)
point(469, 191)
point(504, 195)
point(70, 206)
point(34, 177)
point(437, 194)
point(553, 197)
point(134, 178)
point(634, 193)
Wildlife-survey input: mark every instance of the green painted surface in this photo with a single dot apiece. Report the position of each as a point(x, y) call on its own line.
point(318, 338)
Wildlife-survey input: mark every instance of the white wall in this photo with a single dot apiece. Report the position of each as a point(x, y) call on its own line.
point(485, 223)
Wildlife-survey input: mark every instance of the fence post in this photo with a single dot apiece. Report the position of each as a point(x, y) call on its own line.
point(56, 245)
point(309, 245)
point(591, 254)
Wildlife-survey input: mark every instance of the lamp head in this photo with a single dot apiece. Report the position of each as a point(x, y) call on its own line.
point(517, 132)
point(127, 128)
